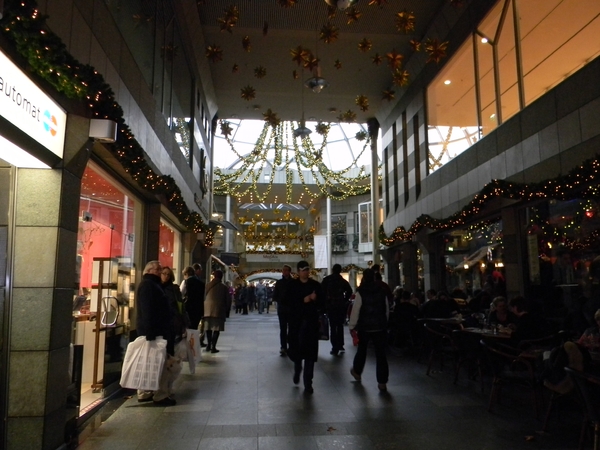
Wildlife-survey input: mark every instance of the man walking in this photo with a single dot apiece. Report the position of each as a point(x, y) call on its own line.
point(337, 295)
point(153, 320)
point(281, 296)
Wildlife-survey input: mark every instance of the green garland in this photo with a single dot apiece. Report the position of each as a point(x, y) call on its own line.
point(578, 183)
point(47, 56)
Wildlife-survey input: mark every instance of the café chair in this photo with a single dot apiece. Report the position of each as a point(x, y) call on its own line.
point(588, 388)
point(508, 367)
point(547, 342)
point(469, 355)
point(441, 345)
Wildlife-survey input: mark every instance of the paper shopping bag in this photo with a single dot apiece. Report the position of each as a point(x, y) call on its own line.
point(194, 355)
point(143, 364)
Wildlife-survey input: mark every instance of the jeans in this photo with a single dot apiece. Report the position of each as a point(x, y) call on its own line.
point(379, 339)
point(283, 317)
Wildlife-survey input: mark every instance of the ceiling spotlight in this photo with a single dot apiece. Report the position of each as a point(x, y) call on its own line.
point(447, 82)
point(341, 4)
point(484, 40)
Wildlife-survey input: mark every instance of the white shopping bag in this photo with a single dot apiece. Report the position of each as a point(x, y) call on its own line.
point(194, 355)
point(143, 363)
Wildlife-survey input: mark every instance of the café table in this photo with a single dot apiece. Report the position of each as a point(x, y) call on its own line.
point(487, 333)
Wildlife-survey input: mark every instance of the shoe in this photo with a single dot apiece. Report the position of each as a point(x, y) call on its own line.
point(207, 349)
point(144, 400)
point(283, 352)
point(333, 352)
point(296, 378)
point(202, 344)
point(167, 401)
point(308, 390)
point(354, 374)
point(342, 350)
point(382, 387)
point(214, 350)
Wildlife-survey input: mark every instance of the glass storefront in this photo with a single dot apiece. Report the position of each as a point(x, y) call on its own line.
point(563, 252)
point(105, 281)
point(169, 250)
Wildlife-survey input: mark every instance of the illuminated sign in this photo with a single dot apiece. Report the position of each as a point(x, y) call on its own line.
point(28, 108)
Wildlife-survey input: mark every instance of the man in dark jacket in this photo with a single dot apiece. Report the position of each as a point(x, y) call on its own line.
point(337, 293)
point(281, 296)
point(306, 303)
point(153, 320)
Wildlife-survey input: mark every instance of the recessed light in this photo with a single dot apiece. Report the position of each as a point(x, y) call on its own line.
point(492, 116)
point(484, 40)
point(447, 82)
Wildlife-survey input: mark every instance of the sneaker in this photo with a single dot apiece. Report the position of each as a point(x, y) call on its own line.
point(382, 387)
point(214, 350)
point(167, 401)
point(354, 374)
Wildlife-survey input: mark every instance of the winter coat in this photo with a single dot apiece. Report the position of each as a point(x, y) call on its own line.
point(303, 340)
point(153, 310)
point(215, 302)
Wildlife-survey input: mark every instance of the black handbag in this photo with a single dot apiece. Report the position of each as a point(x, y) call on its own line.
point(323, 328)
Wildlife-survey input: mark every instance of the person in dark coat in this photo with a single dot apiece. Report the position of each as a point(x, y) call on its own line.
point(369, 318)
point(173, 293)
point(192, 289)
point(154, 319)
point(281, 296)
point(337, 293)
point(306, 302)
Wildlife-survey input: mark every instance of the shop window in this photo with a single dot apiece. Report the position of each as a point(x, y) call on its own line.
point(105, 280)
point(474, 258)
point(169, 248)
point(365, 225)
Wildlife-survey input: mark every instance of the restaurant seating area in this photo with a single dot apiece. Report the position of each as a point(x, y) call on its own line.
point(244, 398)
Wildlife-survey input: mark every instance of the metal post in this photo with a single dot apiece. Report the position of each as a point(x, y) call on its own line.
point(373, 126)
point(329, 235)
point(228, 218)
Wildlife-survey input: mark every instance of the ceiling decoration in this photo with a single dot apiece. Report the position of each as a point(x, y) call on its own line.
point(278, 150)
point(360, 36)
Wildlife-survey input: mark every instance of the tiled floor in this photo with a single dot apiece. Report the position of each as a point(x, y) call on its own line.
point(243, 398)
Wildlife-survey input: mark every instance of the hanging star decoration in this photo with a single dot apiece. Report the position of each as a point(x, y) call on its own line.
point(400, 77)
point(226, 129)
point(405, 21)
point(214, 53)
point(311, 62)
point(353, 15)
point(295, 75)
point(260, 72)
point(379, 3)
point(348, 116)
point(226, 23)
point(337, 64)
point(235, 68)
point(365, 45)
point(322, 128)
point(299, 55)
point(271, 118)
point(361, 136)
point(248, 93)
point(363, 102)
point(377, 59)
point(394, 59)
point(246, 44)
point(388, 95)
point(436, 50)
point(415, 45)
point(329, 33)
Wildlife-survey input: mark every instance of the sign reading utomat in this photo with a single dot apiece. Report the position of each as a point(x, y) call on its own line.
point(27, 107)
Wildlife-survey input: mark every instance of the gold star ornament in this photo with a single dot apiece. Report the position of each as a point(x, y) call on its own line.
point(299, 54)
point(271, 118)
point(388, 95)
point(246, 44)
point(329, 33)
point(405, 21)
point(226, 129)
point(348, 116)
point(362, 102)
point(337, 64)
point(214, 53)
point(400, 77)
point(377, 59)
point(365, 45)
point(353, 15)
point(394, 59)
point(260, 72)
point(436, 50)
point(248, 93)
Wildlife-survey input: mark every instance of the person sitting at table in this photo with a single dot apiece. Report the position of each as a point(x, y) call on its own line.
point(441, 307)
point(499, 314)
point(527, 325)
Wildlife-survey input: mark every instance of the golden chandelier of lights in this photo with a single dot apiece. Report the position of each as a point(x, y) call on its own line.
point(279, 140)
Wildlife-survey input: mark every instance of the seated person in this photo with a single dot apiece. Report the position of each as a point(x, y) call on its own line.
point(441, 307)
point(590, 338)
point(500, 315)
point(527, 325)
